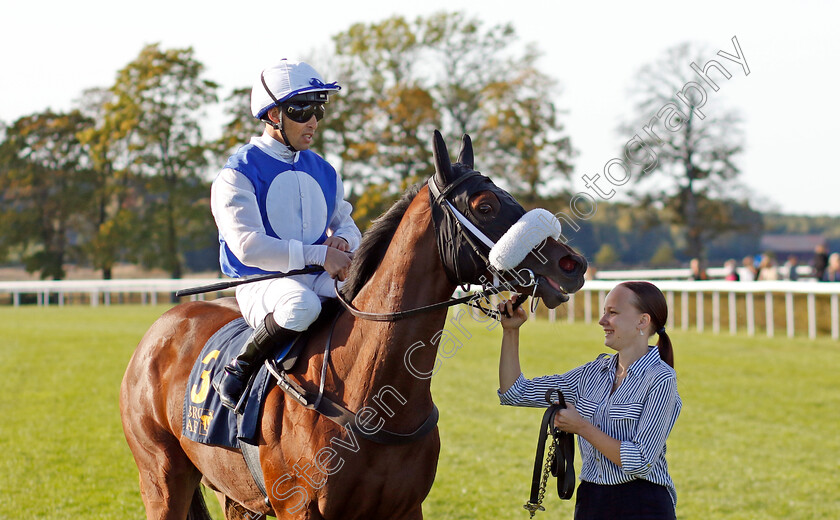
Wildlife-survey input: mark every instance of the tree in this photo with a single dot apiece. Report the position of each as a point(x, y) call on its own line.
point(606, 256)
point(487, 87)
point(240, 126)
point(663, 257)
point(380, 119)
point(45, 187)
point(690, 151)
point(157, 103)
point(115, 211)
point(448, 72)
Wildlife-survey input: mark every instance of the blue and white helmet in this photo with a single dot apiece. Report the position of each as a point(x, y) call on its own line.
point(286, 80)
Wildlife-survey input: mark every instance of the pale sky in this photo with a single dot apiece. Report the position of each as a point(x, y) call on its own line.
point(50, 51)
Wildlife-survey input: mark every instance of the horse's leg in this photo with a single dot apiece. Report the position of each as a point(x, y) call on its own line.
point(311, 513)
point(234, 511)
point(168, 480)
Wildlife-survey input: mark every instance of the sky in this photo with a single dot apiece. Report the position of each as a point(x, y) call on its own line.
point(50, 51)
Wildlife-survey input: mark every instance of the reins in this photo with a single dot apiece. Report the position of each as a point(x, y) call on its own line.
point(560, 459)
point(473, 300)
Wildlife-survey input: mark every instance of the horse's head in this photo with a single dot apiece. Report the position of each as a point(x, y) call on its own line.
point(483, 233)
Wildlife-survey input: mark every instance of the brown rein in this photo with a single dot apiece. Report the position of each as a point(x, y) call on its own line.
point(401, 315)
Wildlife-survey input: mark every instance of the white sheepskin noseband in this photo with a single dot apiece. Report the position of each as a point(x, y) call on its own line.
point(522, 237)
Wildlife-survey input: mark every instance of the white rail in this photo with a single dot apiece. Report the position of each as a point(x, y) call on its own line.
point(827, 303)
point(101, 291)
point(820, 299)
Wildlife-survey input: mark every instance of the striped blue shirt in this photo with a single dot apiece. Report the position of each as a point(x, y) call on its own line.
point(640, 414)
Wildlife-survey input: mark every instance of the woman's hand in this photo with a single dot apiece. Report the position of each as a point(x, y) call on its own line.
point(569, 420)
point(509, 318)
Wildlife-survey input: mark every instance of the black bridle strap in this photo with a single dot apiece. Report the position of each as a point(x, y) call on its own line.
point(564, 462)
point(440, 200)
point(442, 194)
point(564, 453)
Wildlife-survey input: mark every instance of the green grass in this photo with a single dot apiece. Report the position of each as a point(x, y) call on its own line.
point(757, 437)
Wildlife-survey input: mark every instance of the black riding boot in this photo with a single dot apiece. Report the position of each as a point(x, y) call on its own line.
point(231, 382)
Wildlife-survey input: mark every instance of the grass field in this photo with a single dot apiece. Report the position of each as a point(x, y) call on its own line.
point(757, 438)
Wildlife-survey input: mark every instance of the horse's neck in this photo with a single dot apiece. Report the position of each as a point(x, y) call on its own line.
point(410, 276)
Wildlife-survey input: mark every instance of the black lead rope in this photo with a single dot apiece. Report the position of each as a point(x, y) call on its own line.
point(562, 457)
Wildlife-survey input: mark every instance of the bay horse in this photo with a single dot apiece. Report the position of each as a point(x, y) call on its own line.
point(411, 257)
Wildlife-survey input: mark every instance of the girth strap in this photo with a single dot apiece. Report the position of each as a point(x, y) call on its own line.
point(251, 454)
point(347, 419)
point(338, 413)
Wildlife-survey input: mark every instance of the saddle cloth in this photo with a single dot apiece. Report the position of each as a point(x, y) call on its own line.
point(205, 419)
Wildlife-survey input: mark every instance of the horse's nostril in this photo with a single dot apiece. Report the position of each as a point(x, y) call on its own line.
point(568, 264)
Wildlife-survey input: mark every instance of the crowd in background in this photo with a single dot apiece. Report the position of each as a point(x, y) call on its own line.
point(823, 267)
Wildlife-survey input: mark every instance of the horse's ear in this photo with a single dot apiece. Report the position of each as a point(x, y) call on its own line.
point(465, 156)
point(443, 165)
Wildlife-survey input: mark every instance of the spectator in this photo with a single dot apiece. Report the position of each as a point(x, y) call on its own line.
point(820, 262)
point(731, 267)
point(749, 271)
point(768, 270)
point(791, 264)
point(833, 273)
point(698, 269)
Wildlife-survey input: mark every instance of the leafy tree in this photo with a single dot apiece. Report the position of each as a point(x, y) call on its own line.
point(240, 125)
point(690, 148)
point(445, 71)
point(490, 89)
point(382, 119)
point(158, 101)
point(606, 256)
point(663, 257)
point(403, 79)
point(114, 219)
point(45, 186)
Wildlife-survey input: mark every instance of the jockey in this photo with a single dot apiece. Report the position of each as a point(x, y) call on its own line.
point(280, 207)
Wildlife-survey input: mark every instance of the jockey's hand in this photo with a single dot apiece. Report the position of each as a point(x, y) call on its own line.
point(337, 243)
point(337, 263)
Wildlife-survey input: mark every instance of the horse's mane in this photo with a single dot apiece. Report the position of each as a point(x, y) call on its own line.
point(375, 242)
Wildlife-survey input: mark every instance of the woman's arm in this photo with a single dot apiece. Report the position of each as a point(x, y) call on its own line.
point(509, 367)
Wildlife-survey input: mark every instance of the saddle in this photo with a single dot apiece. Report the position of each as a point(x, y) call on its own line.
point(205, 419)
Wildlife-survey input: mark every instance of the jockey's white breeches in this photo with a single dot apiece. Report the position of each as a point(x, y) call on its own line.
point(294, 300)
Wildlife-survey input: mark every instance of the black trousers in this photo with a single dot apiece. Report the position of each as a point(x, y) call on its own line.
point(636, 500)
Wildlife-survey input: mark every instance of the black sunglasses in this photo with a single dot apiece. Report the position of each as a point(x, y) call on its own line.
point(301, 113)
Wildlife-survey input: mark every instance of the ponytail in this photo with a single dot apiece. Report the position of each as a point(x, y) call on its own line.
point(666, 350)
point(650, 300)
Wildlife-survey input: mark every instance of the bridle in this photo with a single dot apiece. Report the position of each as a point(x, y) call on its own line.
point(478, 242)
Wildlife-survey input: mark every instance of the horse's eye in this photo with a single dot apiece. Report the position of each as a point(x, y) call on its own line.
point(485, 208)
